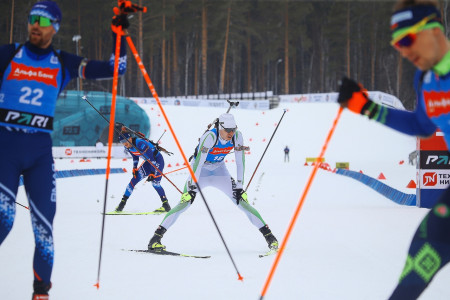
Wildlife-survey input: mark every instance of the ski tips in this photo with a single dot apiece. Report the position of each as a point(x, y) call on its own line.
point(84, 97)
point(97, 285)
point(240, 278)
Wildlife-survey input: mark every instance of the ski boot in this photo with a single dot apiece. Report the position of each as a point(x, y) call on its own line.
point(155, 242)
point(40, 290)
point(165, 206)
point(272, 242)
point(122, 203)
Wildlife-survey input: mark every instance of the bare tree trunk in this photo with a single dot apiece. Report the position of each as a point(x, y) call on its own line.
point(204, 49)
point(225, 49)
point(12, 23)
point(249, 59)
point(152, 64)
point(399, 74)
point(163, 52)
point(196, 67)
point(308, 88)
point(286, 48)
point(373, 51)
point(169, 62)
point(189, 50)
point(386, 66)
point(294, 70)
point(140, 81)
point(176, 75)
point(348, 39)
point(80, 82)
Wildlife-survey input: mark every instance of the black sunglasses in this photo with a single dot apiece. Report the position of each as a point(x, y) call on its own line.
point(229, 130)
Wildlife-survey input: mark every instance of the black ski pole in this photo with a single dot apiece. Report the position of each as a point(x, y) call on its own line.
point(120, 133)
point(265, 150)
point(218, 230)
point(161, 136)
point(22, 205)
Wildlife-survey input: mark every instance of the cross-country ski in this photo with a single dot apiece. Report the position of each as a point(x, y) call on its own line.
point(165, 252)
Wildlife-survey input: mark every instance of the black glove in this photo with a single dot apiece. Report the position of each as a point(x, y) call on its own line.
point(346, 90)
point(120, 20)
point(239, 195)
point(188, 196)
point(353, 96)
point(151, 177)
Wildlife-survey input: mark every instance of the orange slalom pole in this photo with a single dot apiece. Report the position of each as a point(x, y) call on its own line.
point(167, 172)
point(110, 141)
point(299, 207)
point(155, 95)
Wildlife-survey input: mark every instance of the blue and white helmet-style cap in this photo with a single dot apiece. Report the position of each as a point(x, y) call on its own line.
point(226, 121)
point(48, 9)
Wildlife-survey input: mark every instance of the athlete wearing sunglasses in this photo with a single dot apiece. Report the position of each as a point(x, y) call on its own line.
point(41, 31)
point(418, 35)
point(407, 36)
point(415, 37)
point(210, 170)
point(43, 21)
point(32, 75)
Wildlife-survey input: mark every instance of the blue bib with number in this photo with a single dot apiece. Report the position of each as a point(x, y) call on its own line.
point(30, 88)
point(219, 151)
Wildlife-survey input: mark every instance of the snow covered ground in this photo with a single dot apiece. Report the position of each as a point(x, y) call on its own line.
point(349, 241)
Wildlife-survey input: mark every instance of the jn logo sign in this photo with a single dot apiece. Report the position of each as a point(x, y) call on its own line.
point(429, 179)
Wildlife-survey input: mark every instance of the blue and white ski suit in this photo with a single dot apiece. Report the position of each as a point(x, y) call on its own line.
point(210, 170)
point(30, 85)
point(150, 153)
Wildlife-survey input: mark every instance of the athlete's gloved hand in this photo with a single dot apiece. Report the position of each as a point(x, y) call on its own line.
point(239, 195)
point(120, 20)
point(151, 177)
point(188, 196)
point(354, 97)
point(135, 172)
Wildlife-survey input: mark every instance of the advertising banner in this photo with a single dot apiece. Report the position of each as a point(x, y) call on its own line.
point(433, 176)
point(220, 103)
point(89, 152)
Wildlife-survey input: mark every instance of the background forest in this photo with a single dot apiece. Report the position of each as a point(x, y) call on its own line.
point(202, 47)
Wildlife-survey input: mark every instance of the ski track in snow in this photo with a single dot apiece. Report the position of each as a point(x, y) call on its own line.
point(349, 242)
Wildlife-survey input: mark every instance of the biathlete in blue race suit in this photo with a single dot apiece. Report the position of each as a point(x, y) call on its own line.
point(149, 153)
point(210, 170)
point(32, 75)
point(418, 34)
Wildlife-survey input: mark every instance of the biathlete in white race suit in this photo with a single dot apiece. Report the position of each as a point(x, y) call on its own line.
point(138, 147)
point(210, 170)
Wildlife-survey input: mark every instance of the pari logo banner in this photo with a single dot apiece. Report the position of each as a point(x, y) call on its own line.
point(24, 72)
point(435, 160)
point(434, 179)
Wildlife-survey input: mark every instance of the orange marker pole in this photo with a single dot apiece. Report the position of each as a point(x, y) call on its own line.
point(299, 207)
point(155, 95)
point(167, 172)
point(110, 141)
